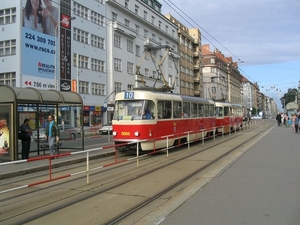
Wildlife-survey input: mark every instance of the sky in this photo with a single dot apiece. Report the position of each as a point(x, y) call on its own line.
point(263, 36)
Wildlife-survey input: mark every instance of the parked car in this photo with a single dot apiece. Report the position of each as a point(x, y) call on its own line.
point(256, 117)
point(106, 128)
point(67, 132)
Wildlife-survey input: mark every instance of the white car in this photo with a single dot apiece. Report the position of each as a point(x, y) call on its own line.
point(256, 117)
point(106, 128)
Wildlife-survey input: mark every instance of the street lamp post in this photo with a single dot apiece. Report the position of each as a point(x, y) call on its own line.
point(56, 44)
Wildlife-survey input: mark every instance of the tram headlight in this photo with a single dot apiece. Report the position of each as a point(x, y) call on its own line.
point(136, 133)
point(114, 133)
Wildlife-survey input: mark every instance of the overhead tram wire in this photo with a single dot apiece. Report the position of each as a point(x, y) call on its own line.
point(201, 28)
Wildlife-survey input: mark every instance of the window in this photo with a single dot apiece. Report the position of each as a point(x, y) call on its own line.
point(118, 87)
point(159, 24)
point(146, 72)
point(137, 50)
point(137, 30)
point(126, 22)
point(98, 89)
point(164, 109)
point(97, 65)
point(117, 41)
point(7, 47)
point(129, 46)
point(80, 10)
point(117, 64)
point(83, 61)
point(136, 10)
point(126, 4)
point(212, 60)
point(153, 37)
point(167, 28)
point(130, 87)
point(114, 17)
point(97, 41)
point(145, 33)
point(100, 1)
point(8, 79)
point(7, 16)
point(83, 87)
point(153, 20)
point(145, 15)
point(80, 35)
point(97, 18)
point(130, 67)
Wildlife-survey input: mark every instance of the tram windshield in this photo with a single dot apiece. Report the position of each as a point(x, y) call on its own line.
point(134, 110)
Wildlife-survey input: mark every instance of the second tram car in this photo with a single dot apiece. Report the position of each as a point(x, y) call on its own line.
point(150, 116)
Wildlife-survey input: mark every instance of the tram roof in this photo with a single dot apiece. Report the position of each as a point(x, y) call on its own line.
point(31, 95)
point(149, 93)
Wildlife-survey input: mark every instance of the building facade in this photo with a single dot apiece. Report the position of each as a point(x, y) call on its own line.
point(95, 48)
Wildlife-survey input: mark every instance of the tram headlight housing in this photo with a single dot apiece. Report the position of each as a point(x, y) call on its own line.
point(136, 133)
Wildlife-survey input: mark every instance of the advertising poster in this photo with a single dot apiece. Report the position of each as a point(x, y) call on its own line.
point(39, 43)
point(4, 134)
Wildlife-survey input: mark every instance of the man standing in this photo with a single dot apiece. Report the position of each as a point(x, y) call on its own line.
point(52, 134)
point(26, 138)
point(278, 118)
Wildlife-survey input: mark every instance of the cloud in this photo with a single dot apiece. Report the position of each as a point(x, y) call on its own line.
point(257, 32)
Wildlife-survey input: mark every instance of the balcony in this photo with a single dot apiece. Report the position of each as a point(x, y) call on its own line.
point(196, 66)
point(196, 79)
point(196, 54)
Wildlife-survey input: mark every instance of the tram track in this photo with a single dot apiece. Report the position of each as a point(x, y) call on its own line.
point(110, 183)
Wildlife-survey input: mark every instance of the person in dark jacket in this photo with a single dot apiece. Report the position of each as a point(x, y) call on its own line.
point(26, 138)
point(278, 118)
point(52, 134)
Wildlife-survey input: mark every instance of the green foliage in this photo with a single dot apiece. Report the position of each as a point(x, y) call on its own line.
point(290, 96)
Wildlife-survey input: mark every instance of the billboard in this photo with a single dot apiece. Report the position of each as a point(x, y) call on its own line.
point(42, 47)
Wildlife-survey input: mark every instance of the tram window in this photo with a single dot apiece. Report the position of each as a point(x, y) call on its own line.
point(226, 111)
point(206, 110)
point(211, 110)
point(186, 110)
point(200, 110)
point(194, 110)
point(164, 109)
point(149, 110)
point(219, 112)
point(177, 109)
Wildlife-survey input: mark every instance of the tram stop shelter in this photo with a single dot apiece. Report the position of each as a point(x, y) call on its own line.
point(17, 104)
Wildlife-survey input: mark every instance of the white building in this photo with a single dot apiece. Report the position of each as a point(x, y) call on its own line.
point(96, 53)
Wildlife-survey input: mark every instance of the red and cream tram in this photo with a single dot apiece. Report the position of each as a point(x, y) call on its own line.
point(151, 115)
point(229, 117)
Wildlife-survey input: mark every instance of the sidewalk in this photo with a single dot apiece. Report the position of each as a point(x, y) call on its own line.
point(262, 187)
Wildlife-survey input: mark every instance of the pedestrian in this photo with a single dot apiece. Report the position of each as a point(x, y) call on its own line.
point(52, 135)
point(296, 123)
point(278, 118)
point(26, 138)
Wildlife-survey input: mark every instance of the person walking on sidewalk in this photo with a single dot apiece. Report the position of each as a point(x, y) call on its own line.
point(296, 123)
point(278, 118)
point(52, 134)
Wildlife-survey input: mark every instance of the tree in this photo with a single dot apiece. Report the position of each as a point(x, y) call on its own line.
point(290, 96)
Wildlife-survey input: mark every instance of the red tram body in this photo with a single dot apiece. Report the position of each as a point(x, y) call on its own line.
point(151, 116)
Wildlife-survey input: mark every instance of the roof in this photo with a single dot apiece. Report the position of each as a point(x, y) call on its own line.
point(31, 95)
